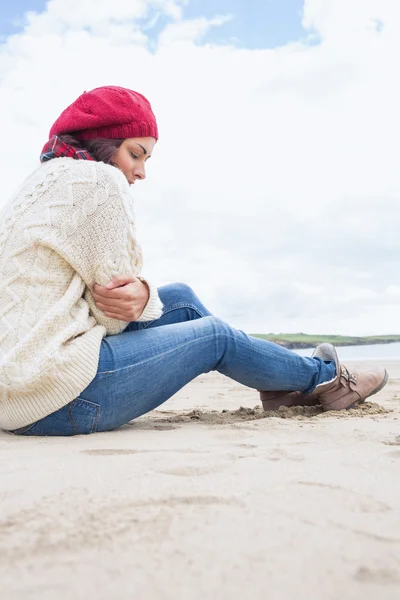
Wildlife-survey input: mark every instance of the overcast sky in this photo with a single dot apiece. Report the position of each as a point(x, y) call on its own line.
point(274, 188)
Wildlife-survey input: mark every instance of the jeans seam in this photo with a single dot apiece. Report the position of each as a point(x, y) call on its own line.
point(96, 420)
point(175, 307)
point(184, 305)
point(71, 418)
point(160, 355)
point(74, 423)
point(22, 430)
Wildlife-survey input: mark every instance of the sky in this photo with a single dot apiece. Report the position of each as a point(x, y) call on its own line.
point(274, 187)
point(252, 23)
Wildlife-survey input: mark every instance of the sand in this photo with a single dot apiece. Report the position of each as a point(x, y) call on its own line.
point(207, 500)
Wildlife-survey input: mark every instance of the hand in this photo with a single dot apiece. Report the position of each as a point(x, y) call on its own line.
point(123, 298)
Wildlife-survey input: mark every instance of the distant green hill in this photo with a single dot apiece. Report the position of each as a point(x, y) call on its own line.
point(304, 340)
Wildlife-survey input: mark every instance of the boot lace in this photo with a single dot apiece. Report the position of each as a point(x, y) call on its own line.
point(350, 376)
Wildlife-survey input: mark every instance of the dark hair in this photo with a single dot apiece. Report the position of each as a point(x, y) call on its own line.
point(101, 149)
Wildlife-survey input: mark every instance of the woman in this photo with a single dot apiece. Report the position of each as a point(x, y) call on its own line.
point(86, 343)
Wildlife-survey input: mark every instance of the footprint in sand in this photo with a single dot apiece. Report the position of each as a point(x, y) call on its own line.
point(121, 451)
point(110, 451)
point(249, 446)
point(382, 576)
point(395, 442)
point(364, 502)
point(142, 425)
point(394, 454)
point(190, 471)
point(278, 453)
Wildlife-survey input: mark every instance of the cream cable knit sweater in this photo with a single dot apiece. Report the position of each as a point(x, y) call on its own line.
point(70, 226)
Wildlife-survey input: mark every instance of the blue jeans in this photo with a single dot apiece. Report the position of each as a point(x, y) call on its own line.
point(150, 361)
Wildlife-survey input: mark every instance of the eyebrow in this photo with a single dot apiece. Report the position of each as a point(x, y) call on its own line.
point(143, 148)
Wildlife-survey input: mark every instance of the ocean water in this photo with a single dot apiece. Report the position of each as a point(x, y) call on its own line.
point(370, 352)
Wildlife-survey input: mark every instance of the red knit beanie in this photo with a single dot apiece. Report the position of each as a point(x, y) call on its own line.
point(107, 112)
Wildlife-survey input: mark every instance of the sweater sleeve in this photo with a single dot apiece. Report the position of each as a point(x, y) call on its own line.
point(154, 306)
point(93, 229)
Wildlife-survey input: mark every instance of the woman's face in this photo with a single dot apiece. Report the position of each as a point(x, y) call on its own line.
point(131, 156)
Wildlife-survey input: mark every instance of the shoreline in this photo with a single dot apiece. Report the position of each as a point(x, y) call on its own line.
point(298, 345)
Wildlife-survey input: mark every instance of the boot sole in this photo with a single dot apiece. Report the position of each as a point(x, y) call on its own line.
point(375, 391)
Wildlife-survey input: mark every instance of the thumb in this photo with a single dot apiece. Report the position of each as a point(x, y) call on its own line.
point(119, 280)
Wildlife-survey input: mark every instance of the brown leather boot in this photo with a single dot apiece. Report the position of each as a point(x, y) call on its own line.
point(273, 400)
point(349, 388)
point(345, 391)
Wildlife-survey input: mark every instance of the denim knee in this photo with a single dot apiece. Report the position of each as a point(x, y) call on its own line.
point(223, 337)
point(179, 292)
point(217, 326)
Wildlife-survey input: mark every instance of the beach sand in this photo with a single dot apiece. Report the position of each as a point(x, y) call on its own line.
point(190, 502)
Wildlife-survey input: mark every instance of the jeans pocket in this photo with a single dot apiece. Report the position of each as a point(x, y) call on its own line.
point(78, 417)
point(84, 416)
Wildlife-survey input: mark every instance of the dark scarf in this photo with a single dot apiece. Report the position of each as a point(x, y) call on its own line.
point(56, 148)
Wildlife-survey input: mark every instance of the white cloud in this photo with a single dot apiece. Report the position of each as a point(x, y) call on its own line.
point(274, 187)
point(75, 15)
point(341, 20)
point(192, 30)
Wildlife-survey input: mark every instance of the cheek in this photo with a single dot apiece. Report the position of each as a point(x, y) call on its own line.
point(123, 161)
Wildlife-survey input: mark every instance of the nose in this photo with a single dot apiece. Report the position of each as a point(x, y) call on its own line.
point(139, 172)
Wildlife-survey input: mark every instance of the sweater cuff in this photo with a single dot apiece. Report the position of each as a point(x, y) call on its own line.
point(154, 307)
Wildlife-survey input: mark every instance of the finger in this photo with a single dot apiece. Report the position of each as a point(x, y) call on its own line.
point(103, 293)
point(118, 280)
point(122, 312)
point(111, 285)
point(111, 304)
